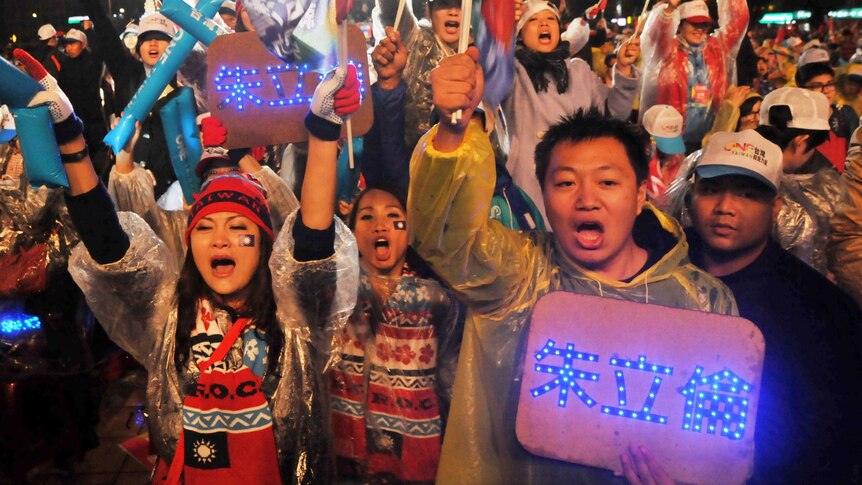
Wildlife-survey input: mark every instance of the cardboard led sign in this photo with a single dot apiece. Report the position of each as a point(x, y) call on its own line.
point(262, 100)
point(601, 374)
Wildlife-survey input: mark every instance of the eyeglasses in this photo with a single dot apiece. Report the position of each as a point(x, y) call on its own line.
point(830, 86)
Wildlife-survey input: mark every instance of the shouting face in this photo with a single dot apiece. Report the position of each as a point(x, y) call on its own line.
point(226, 251)
point(592, 198)
point(381, 233)
point(541, 33)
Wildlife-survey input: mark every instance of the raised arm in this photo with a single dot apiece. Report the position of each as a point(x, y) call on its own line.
point(732, 24)
point(123, 269)
point(387, 156)
point(659, 30)
point(104, 40)
point(452, 178)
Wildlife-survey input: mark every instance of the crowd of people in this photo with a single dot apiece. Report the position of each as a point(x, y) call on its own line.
point(297, 331)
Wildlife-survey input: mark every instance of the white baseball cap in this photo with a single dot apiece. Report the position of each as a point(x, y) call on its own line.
point(792, 42)
point(694, 11)
point(811, 44)
point(745, 153)
point(75, 35)
point(156, 22)
point(664, 123)
point(810, 56)
point(46, 32)
point(810, 109)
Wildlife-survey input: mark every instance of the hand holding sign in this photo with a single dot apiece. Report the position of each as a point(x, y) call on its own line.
point(641, 468)
point(601, 375)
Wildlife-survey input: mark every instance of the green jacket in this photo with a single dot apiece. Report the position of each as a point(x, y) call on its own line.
point(500, 274)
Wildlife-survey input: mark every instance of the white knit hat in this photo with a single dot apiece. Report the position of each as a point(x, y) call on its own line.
point(534, 7)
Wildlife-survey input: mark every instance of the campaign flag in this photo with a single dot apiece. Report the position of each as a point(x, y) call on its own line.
point(297, 31)
point(494, 30)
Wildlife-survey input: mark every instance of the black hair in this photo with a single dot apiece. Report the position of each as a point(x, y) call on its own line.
point(778, 132)
point(745, 108)
point(152, 34)
point(588, 125)
point(608, 58)
point(259, 307)
point(540, 66)
point(810, 71)
point(412, 258)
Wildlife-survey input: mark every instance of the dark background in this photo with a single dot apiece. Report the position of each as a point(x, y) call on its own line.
point(17, 17)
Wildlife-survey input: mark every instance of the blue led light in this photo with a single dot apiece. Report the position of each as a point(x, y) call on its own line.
point(14, 323)
point(564, 370)
point(721, 409)
point(235, 83)
point(641, 365)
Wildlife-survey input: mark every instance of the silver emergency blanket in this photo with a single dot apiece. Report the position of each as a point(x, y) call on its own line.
point(844, 250)
point(803, 224)
point(134, 300)
point(29, 218)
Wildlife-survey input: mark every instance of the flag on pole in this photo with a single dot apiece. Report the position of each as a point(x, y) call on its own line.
point(494, 29)
point(297, 31)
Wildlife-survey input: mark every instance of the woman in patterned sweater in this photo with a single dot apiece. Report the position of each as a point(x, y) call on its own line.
point(390, 390)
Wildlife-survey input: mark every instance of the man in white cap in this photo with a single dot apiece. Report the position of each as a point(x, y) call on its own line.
point(808, 429)
point(693, 74)
point(797, 120)
point(48, 52)
point(81, 80)
point(227, 12)
point(815, 74)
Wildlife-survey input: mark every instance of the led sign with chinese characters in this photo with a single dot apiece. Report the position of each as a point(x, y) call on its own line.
point(601, 374)
point(262, 100)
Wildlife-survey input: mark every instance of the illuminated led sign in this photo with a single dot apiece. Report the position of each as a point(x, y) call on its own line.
point(600, 374)
point(262, 100)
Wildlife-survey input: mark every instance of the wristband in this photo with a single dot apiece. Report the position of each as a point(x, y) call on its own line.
point(75, 157)
point(322, 128)
point(68, 129)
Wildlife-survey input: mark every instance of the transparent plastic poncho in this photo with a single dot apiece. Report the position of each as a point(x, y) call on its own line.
point(32, 222)
point(134, 300)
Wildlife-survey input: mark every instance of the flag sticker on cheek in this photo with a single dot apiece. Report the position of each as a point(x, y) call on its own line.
point(401, 225)
point(246, 240)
